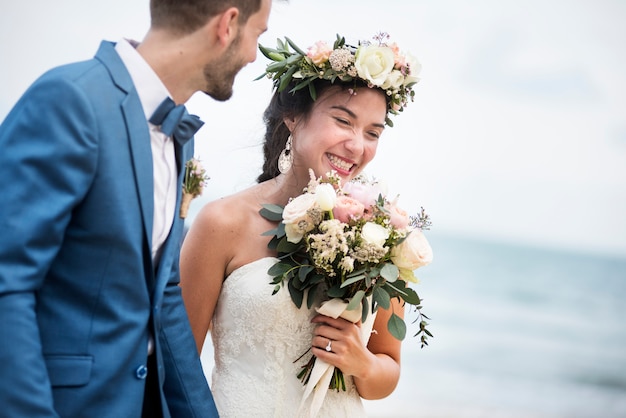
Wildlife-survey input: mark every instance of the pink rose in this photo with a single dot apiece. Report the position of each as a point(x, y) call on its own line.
point(347, 208)
point(398, 217)
point(364, 193)
point(319, 53)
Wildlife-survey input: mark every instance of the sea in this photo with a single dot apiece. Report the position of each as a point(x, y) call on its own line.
point(518, 332)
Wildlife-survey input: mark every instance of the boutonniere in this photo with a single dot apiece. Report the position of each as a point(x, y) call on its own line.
point(193, 183)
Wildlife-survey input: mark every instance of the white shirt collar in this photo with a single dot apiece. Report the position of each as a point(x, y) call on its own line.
point(150, 88)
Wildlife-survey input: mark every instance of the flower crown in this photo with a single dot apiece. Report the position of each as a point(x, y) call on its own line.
point(378, 64)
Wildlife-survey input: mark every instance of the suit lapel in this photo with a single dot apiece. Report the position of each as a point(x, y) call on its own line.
point(171, 246)
point(141, 155)
point(138, 136)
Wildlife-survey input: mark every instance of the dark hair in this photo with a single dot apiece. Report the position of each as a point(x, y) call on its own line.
point(286, 104)
point(186, 16)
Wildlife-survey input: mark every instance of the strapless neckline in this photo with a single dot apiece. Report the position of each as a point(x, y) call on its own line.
point(257, 336)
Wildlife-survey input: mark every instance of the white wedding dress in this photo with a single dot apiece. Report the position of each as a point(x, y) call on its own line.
point(257, 337)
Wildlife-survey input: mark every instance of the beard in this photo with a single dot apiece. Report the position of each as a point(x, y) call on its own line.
point(220, 75)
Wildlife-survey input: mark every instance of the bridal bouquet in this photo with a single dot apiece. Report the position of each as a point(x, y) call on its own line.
point(351, 249)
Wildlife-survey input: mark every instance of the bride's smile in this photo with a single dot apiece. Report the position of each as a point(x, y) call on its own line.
point(340, 165)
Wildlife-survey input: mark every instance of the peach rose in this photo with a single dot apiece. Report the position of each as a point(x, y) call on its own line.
point(347, 208)
point(413, 252)
point(319, 53)
point(398, 217)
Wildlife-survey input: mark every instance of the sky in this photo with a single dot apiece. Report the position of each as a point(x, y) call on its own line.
point(517, 132)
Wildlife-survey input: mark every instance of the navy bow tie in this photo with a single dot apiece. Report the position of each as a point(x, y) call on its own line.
point(175, 121)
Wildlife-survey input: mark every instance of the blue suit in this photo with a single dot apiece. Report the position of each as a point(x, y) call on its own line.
point(79, 294)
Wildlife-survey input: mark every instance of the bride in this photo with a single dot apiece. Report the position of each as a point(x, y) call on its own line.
point(258, 337)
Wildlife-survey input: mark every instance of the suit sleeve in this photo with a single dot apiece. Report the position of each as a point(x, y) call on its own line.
point(186, 388)
point(46, 164)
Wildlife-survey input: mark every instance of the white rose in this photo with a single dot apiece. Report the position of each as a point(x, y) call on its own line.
point(413, 252)
point(296, 217)
point(294, 232)
point(325, 196)
point(415, 68)
point(374, 234)
point(374, 63)
point(297, 208)
point(394, 80)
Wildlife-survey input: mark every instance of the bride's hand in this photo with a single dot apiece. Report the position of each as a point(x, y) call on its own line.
point(346, 350)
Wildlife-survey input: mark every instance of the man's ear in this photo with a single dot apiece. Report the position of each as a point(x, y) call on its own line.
point(227, 26)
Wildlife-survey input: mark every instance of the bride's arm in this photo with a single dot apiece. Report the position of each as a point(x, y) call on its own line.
point(375, 368)
point(381, 377)
point(203, 260)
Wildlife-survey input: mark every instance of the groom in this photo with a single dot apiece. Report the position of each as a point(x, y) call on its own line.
point(91, 318)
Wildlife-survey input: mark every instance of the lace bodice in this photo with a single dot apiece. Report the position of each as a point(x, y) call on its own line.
point(257, 337)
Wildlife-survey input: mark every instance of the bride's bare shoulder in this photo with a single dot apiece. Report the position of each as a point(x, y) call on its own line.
point(231, 212)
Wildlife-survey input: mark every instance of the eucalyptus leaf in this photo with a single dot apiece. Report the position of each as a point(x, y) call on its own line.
point(411, 297)
point(314, 294)
point(373, 272)
point(364, 311)
point(280, 230)
point(296, 294)
point(398, 291)
point(381, 298)
point(304, 271)
point(285, 246)
point(351, 280)
point(390, 272)
point(272, 210)
point(396, 327)
point(355, 302)
point(316, 278)
point(336, 292)
point(271, 232)
point(357, 272)
point(273, 244)
point(279, 269)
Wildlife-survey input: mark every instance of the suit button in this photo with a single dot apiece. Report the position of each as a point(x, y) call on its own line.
point(141, 372)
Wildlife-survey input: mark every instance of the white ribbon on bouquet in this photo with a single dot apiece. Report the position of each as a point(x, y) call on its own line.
point(322, 372)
